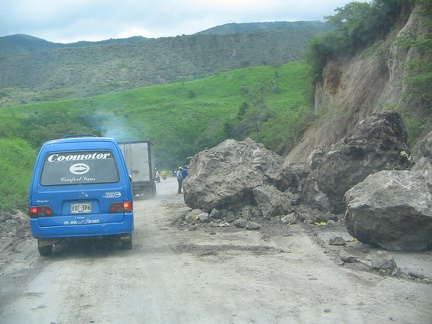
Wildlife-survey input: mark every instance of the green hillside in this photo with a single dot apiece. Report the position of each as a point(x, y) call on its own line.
point(180, 118)
point(184, 117)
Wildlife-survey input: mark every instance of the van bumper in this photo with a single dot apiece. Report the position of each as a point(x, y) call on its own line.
point(88, 230)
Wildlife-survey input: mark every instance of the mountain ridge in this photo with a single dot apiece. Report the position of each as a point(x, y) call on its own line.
point(30, 64)
point(33, 41)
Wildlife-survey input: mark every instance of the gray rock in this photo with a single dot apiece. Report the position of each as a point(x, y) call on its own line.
point(190, 217)
point(326, 217)
point(331, 223)
point(416, 275)
point(346, 257)
point(289, 219)
point(215, 214)
point(204, 217)
point(252, 226)
point(337, 240)
point(392, 209)
point(383, 260)
point(240, 223)
point(192, 227)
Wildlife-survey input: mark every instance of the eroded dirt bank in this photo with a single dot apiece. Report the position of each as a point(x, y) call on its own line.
point(207, 275)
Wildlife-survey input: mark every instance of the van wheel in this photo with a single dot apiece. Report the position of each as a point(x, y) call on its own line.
point(45, 250)
point(126, 245)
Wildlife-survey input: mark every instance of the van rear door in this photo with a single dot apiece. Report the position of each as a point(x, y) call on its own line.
point(80, 187)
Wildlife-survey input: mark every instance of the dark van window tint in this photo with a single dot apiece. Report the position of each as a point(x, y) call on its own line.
point(83, 167)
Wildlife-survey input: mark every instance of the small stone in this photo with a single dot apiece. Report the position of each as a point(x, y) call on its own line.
point(415, 275)
point(289, 219)
point(337, 240)
point(204, 217)
point(331, 223)
point(240, 223)
point(192, 227)
point(215, 214)
point(384, 262)
point(346, 257)
point(252, 226)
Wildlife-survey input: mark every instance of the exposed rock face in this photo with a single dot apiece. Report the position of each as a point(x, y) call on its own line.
point(353, 88)
point(238, 176)
point(392, 209)
point(378, 143)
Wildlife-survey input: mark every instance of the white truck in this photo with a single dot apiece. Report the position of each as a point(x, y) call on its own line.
point(139, 158)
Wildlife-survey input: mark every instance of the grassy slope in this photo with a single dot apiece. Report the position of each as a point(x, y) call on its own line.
point(16, 159)
point(180, 118)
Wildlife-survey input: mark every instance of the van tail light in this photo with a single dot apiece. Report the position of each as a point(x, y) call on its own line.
point(121, 207)
point(40, 211)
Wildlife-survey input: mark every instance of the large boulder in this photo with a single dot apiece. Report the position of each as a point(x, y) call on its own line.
point(378, 143)
point(392, 209)
point(236, 174)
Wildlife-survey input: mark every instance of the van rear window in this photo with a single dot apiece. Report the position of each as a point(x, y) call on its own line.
point(79, 167)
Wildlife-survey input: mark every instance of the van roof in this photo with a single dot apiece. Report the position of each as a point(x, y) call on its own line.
point(79, 139)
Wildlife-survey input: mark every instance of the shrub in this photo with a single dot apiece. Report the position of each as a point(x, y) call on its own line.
point(17, 159)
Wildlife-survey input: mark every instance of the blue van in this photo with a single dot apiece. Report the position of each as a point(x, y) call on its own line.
point(80, 188)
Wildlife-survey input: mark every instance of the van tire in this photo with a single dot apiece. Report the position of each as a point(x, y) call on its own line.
point(126, 245)
point(45, 250)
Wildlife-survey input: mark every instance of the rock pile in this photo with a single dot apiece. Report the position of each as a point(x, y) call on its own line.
point(369, 174)
point(393, 209)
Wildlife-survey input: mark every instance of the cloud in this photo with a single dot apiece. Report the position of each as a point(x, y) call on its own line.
point(69, 21)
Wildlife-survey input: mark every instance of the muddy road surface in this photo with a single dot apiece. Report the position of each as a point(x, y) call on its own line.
point(208, 275)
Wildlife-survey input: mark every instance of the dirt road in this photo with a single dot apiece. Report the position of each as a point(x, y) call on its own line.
point(208, 275)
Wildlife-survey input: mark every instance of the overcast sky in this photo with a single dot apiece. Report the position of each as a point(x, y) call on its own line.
point(67, 21)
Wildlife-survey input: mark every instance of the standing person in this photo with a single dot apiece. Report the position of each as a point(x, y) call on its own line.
point(179, 180)
point(185, 172)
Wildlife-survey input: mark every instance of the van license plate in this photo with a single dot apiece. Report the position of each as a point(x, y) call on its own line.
point(80, 208)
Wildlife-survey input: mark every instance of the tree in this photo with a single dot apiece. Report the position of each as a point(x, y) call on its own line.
point(357, 24)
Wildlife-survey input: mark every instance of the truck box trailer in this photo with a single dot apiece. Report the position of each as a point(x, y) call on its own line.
point(139, 158)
